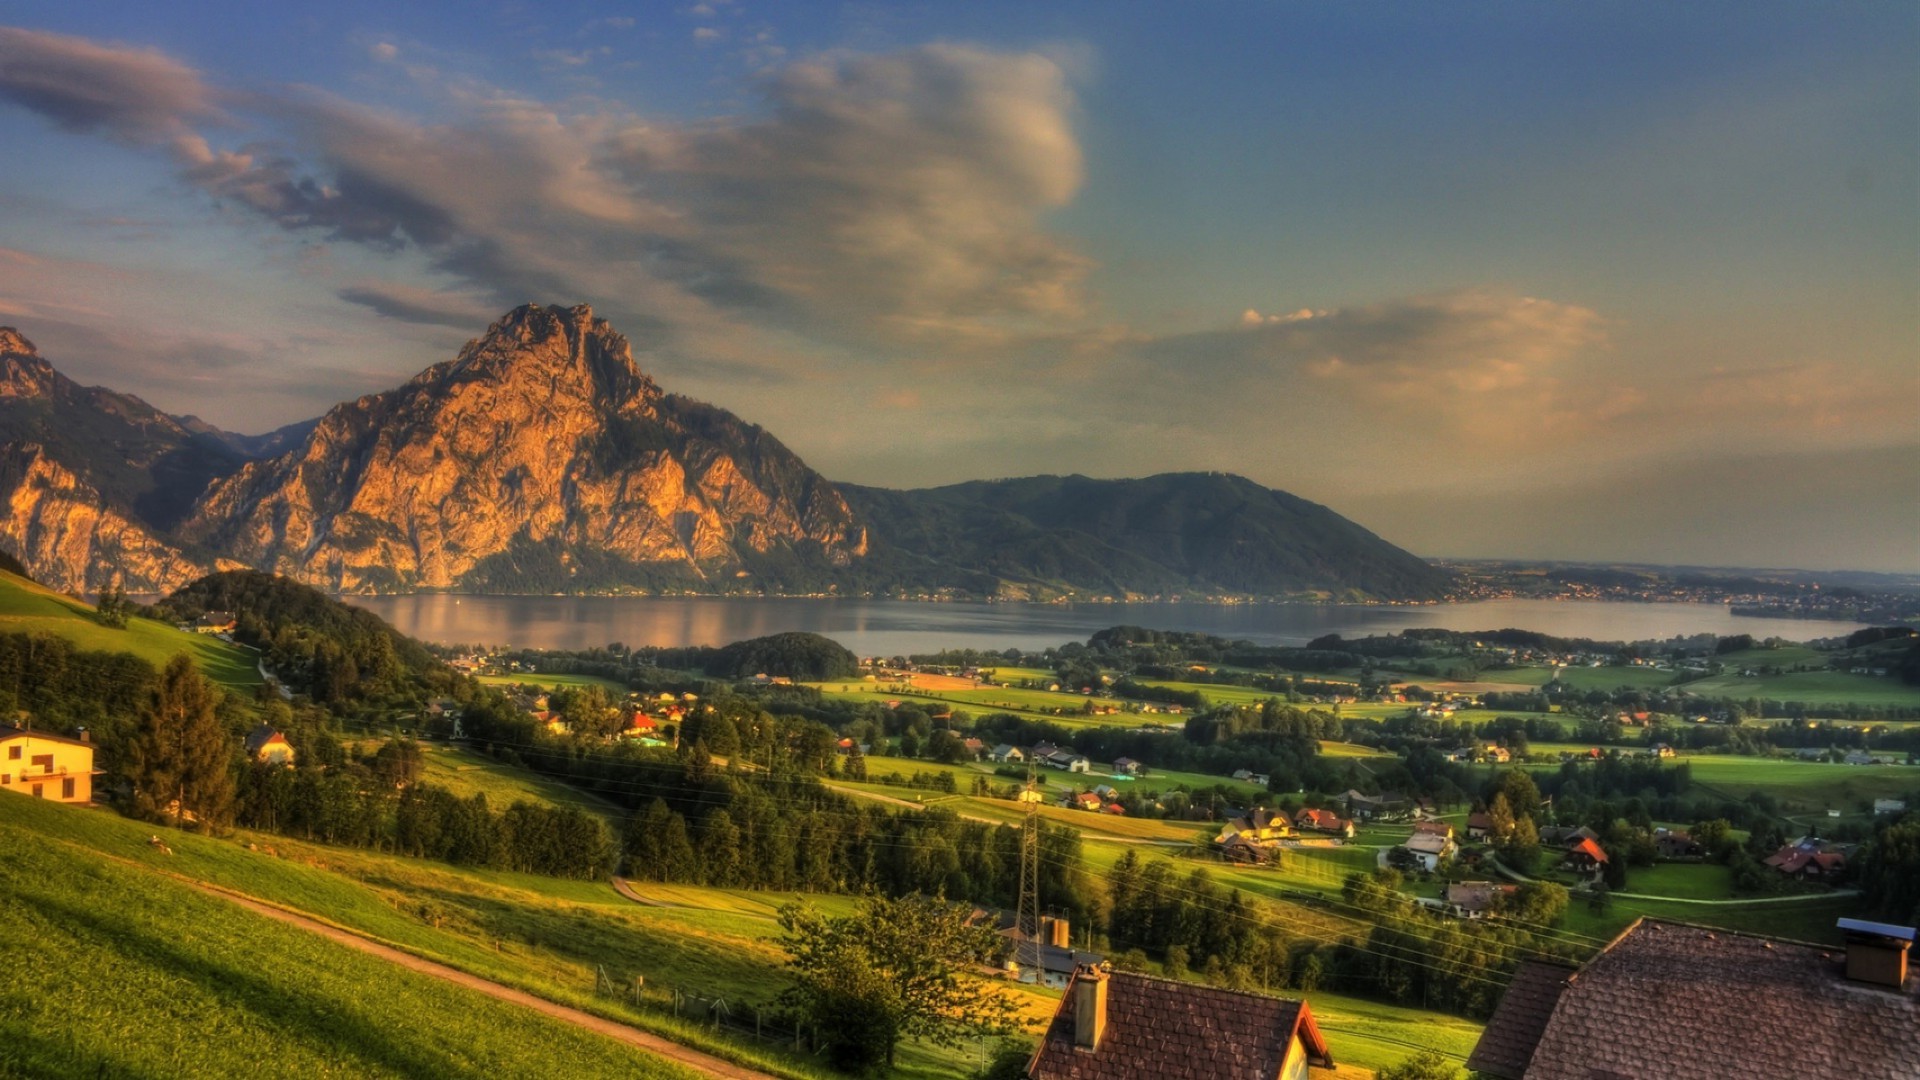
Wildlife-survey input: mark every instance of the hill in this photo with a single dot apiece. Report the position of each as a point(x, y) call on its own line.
point(1176, 532)
point(27, 607)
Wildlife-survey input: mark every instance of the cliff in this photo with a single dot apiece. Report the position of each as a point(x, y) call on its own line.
point(539, 459)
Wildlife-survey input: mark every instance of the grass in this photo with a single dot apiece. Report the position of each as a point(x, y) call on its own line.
point(467, 774)
point(1807, 687)
point(616, 690)
point(1693, 881)
point(114, 969)
point(30, 608)
point(543, 935)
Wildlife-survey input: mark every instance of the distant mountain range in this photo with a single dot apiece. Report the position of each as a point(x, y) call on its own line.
point(541, 459)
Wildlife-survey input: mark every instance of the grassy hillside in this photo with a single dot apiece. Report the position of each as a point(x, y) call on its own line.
point(116, 970)
point(30, 608)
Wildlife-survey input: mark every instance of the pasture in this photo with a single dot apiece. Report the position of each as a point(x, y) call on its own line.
point(29, 608)
point(135, 974)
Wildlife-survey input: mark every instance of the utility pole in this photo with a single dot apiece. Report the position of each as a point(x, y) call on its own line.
point(1027, 918)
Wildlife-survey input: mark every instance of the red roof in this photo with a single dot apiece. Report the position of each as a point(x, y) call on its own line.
point(1591, 850)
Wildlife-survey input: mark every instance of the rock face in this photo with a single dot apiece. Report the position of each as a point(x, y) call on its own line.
point(95, 479)
point(62, 529)
point(539, 459)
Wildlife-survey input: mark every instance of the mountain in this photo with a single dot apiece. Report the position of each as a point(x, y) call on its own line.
point(1205, 533)
point(95, 481)
point(542, 459)
point(539, 459)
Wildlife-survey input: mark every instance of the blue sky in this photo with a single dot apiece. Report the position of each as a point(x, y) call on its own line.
point(1621, 280)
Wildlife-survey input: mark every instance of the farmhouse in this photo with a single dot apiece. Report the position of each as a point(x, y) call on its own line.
point(1126, 766)
point(1712, 1005)
point(215, 622)
point(1005, 754)
point(1810, 858)
point(1675, 844)
point(268, 747)
point(1259, 825)
point(1324, 821)
point(1429, 849)
point(46, 766)
point(1114, 1024)
point(1479, 825)
point(1473, 899)
point(1586, 856)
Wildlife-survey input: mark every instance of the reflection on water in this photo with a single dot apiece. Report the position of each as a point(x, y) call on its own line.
point(893, 627)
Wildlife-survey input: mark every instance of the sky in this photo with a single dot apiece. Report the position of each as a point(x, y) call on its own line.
point(1611, 281)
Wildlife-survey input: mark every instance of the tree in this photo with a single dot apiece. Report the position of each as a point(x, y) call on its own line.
point(181, 759)
point(113, 607)
point(892, 970)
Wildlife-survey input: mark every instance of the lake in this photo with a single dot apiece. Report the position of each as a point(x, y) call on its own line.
point(899, 627)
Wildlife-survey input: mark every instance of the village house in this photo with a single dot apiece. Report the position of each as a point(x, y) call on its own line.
point(1437, 828)
point(1429, 849)
point(266, 746)
point(1259, 826)
point(1005, 754)
point(1726, 1005)
point(1323, 821)
point(1068, 761)
point(1809, 858)
point(1085, 800)
point(1251, 777)
point(1126, 766)
point(1111, 1025)
point(1889, 806)
point(1586, 856)
point(1675, 844)
point(46, 766)
point(1473, 899)
point(215, 622)
point(1479, 825)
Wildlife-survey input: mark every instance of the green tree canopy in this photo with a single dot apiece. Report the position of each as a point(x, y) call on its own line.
point(893, 969)
point(181, 757)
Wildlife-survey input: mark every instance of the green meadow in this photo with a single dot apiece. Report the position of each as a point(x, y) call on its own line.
point(30, 608)
point(116, 970)
point(532, 680)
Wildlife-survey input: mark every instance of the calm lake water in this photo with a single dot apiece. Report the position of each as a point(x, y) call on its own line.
point(896, 627)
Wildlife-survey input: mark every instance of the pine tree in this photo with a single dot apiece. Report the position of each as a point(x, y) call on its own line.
point(181, 758)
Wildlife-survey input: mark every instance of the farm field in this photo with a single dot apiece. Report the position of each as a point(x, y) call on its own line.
point(467, 774)
point(1807, 687)
point(30, 608)
point(543, 935)
point(554, 682)
point(144, 976)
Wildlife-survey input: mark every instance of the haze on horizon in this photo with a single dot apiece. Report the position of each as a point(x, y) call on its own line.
point(1635, 283)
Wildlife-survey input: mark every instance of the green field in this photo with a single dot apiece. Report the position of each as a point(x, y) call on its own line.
point(467, 774)
point(1808, 687)
point(546, 936)
point(29, 608)
point(616, 690)
point(116, 970)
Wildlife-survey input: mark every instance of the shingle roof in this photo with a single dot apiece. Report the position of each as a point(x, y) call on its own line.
point(1160, 1029)
point(1507, 1043)
point(1668, 1000)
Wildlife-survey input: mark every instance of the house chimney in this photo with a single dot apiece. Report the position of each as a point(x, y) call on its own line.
point(1877, 952)
point(83, 735)
point(1089, 1006)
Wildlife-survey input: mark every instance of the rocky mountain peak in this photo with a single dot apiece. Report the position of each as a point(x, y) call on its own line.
point(23, 373)
point(565, 349)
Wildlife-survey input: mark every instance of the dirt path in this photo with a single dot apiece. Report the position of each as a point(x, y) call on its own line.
point(652, 1044)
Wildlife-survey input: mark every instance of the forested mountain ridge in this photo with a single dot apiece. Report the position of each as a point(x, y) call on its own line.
point(543, 459)
point(1211, 533)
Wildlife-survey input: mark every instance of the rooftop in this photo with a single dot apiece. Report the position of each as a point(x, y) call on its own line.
point(1667, 999)
point(1161, 1029)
